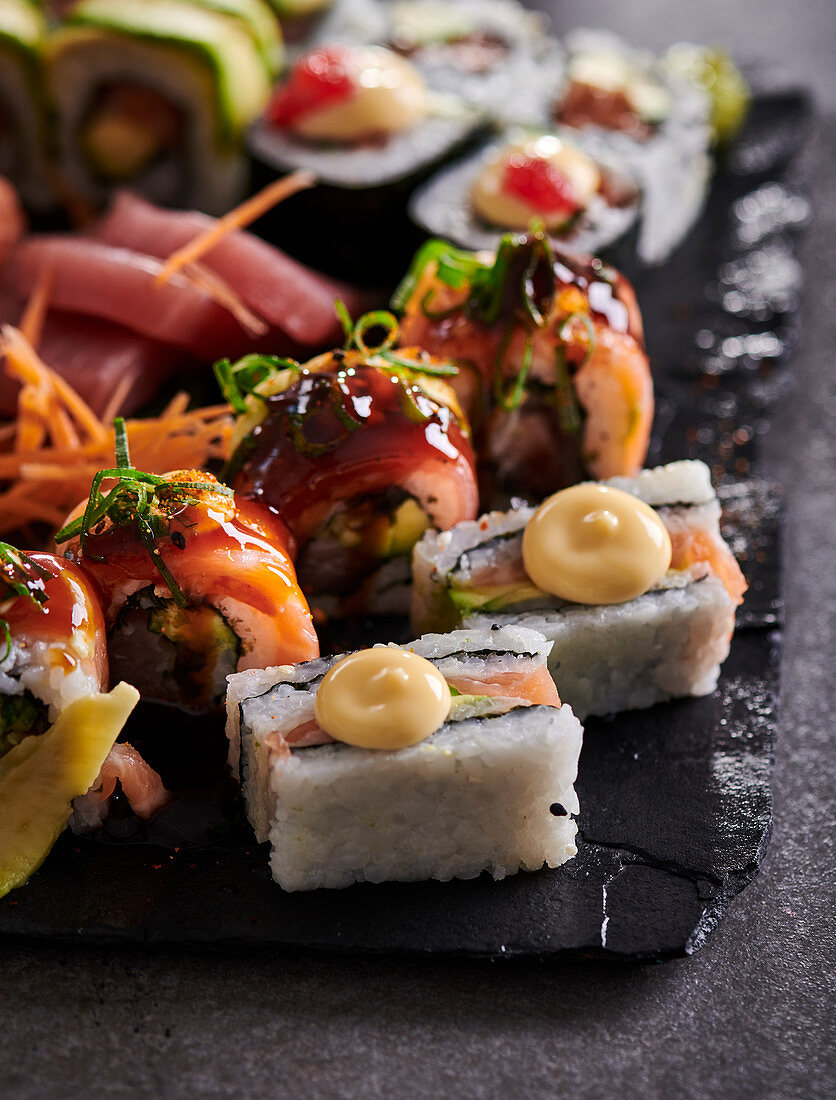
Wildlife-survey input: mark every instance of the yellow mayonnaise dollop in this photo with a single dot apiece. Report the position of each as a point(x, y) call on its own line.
point(595, 545)
point(492, 201)
point(382, 698)
point(389, 96)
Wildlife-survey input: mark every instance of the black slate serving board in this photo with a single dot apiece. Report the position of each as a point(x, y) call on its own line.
point(676, 806)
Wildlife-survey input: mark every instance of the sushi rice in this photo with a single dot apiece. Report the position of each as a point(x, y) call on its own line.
point(667, 643)
point(491, 790)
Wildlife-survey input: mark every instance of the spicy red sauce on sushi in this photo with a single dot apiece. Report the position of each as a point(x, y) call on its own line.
point(539, 184)
point(319, 79)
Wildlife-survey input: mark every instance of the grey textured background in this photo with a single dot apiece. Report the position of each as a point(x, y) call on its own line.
point(752, 1015)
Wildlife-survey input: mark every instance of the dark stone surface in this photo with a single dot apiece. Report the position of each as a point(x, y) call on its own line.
point(751, 1015)
point(676, 813)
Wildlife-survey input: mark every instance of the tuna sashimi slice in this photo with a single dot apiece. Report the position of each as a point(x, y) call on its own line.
point(12, 222)
point(288, 295)
point(98, 359)
point(119, 285)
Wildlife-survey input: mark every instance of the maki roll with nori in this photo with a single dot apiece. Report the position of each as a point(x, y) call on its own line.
point(443, 758)
point(359, 116)
point(359, 451)
point(195, 583)
point(585, 202)
point(493, 53)
point(157, 94)
point(366, 123)
point(22, 116)
point(553, 374)
point(631, 102)
point(53, 646)
point(623, 637)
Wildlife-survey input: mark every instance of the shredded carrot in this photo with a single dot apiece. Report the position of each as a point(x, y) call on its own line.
point(58, 443)
point(32, 321)
point(239, 218)
point(117, 398)
point(216, 288)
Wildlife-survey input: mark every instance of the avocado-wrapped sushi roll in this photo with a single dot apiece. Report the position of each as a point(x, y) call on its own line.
point(636, 588)
point(52, 641)
point(629, 101)
point(359, 451)
point(493, 53)
point(552, 368)
point(157, 95)
point(195, 583)
point(440, 759)
point(22, 116)
point(585, 202)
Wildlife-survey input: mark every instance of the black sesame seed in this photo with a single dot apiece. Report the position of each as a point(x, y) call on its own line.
point(178, 540)
point(557, 809)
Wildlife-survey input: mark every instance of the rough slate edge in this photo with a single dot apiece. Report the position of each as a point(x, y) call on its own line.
point(641, 901)
point(698, 901)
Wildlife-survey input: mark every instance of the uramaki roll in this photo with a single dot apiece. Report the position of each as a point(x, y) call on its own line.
point(359, 452)
point(22, 121)
point(157, 94)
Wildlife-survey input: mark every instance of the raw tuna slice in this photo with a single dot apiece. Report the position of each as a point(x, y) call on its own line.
point(12, 222)
point(118, 285)
point(97, 359)
point(288, 295)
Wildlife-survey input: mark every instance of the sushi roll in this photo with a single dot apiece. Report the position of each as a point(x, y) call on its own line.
point(359, 451)
point(366, 123)
point(584, 202)
point(53, 646)
point(195, 583)
point(651, 620)
point(553, 373)
point(630, 102)
point(157, 94)
point(300, 18)
point(22, 116)
point(359, 116)
point(53, 643)
point(440, 759)
point(493, 53)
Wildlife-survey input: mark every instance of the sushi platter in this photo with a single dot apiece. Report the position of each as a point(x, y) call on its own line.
point(390, 564)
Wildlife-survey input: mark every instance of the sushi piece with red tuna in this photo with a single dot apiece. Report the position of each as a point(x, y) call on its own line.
point(359, 451)
point(553, 372)
point(195, 583)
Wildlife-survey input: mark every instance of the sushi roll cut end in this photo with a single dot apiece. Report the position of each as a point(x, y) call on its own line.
point(480, 779)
